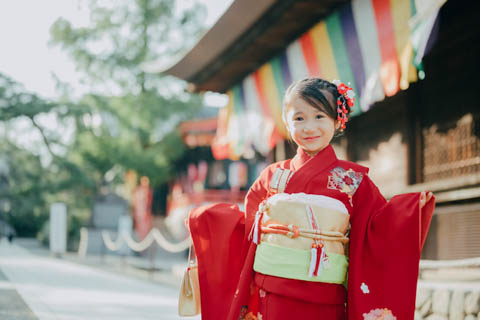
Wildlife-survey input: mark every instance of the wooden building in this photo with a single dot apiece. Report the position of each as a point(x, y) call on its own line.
point(414, 66)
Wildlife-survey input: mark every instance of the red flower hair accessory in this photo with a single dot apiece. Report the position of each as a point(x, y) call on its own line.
point(346, 98)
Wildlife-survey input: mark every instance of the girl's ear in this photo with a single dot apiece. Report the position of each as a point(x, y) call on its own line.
point(337, 125)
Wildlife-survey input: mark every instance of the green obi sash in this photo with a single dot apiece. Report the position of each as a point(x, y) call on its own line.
point(292, 263)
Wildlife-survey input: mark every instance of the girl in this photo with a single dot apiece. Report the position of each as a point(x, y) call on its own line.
point(317, 239)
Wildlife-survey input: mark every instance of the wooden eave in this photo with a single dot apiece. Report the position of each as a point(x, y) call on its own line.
point(249, 34)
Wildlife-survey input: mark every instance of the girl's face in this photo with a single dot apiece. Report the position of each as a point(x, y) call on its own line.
point(310, 128)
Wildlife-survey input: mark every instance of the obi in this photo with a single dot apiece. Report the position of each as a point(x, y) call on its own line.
point(302, 236)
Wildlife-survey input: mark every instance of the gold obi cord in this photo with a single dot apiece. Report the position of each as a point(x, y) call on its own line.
point(292, 231)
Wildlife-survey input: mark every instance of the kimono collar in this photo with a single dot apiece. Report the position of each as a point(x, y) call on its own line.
point(321, 160)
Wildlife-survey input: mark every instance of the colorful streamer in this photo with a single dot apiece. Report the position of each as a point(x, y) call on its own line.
point(367, 43)
point(364, 20)
point(390, 68)
point(324, 52)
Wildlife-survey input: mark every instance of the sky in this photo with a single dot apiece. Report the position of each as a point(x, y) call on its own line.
point(25, 55)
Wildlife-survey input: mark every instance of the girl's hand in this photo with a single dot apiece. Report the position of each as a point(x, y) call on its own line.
point(424, 198)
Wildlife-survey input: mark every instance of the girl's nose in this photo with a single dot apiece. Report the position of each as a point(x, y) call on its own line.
point(308, 127)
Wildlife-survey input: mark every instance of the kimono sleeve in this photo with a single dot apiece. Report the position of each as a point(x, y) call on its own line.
point(385, 244)
point(255, 195)
point(224, 255)
point(218, 237)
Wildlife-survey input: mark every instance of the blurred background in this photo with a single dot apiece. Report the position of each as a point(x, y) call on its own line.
point(122, 116)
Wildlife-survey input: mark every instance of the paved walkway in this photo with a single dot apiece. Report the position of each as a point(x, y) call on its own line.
point(47, 288)
point(12, 306)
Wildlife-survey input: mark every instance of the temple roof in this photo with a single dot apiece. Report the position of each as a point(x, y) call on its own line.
point(247, 35)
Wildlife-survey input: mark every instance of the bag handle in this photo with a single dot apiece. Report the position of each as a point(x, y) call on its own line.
point(192, 259)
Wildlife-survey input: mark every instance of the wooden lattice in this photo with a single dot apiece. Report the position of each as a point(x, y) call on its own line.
point(451, 153)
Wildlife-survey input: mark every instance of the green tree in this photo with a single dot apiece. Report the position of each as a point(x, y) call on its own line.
point(126, 121)
point(31, 179)
point(125, 34)
point(22, 194)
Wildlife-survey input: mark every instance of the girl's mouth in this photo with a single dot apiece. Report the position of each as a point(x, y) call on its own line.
point(311, 138)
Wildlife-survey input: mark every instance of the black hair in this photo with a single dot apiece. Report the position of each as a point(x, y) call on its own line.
point(319, 93)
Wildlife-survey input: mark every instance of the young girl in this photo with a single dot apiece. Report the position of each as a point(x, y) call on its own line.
point(317, 239)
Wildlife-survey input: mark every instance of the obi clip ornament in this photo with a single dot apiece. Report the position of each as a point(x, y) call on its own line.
point(347, 97)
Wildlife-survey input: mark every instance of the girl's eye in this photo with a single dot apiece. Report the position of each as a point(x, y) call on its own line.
point(319, 116)
point(298, 118)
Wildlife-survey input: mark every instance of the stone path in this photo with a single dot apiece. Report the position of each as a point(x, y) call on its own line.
point(47, 288)
point(12, 306)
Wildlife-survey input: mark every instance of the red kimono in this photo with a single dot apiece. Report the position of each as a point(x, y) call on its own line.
point(386, 239)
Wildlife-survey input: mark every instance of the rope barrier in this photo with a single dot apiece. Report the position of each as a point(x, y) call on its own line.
point(153, 235)
point(109, 243)
point(138, 246)
point(165, 244)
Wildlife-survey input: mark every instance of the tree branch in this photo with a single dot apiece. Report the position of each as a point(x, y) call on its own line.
point(44, 137)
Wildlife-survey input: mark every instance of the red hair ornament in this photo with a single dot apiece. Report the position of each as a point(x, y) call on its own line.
point(346, 98)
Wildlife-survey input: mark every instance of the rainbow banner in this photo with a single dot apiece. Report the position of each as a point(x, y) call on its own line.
point(367, 43)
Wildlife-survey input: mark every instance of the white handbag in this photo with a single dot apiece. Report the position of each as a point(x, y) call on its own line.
point(189, 298)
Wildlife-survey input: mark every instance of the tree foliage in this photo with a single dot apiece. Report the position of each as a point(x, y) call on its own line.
point(133, 129)
point(28, 186)
point(125, 34)
point(23, 189)
point(126, 122)
point(16, 102)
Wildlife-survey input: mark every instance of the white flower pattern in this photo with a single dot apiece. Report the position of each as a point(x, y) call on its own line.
point(364, 288)
point(379, 314)
point(262, 293)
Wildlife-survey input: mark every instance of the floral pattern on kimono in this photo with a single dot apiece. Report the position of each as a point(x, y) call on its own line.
point(346, 181)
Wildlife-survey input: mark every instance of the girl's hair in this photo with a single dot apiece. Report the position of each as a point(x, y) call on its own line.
point(320, 94)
